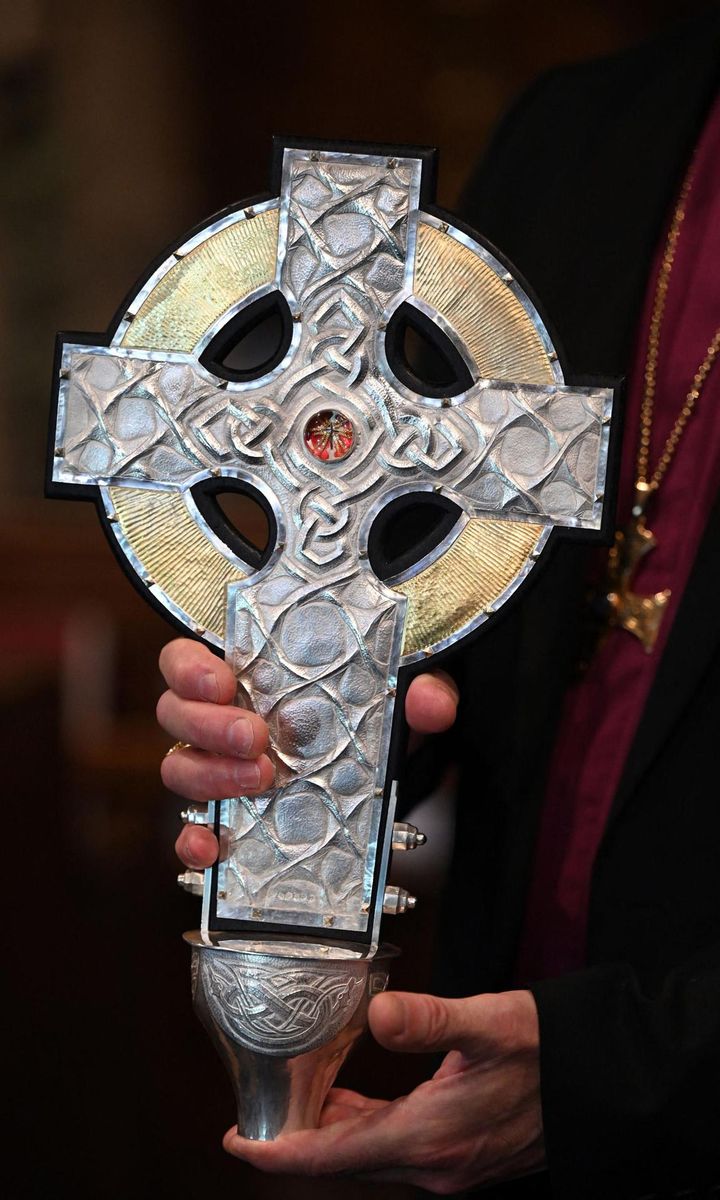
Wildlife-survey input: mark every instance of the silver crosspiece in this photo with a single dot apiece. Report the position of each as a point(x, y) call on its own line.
point(329, 437)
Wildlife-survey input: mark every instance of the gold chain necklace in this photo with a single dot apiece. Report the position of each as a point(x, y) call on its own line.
point(642, 615)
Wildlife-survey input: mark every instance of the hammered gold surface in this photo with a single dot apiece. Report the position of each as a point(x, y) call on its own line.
point(181, 307)
point(481, 308)
point(455, 589)
point(205, 284)
point(178, 557)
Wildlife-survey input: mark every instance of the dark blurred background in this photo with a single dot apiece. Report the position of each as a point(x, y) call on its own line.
point(122, 124)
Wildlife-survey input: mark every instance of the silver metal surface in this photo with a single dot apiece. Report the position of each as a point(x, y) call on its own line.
point(283, 1017)
point(397, 900)
point(314, 638)
point(194, 815)
point(406, 837)
point(192, 881)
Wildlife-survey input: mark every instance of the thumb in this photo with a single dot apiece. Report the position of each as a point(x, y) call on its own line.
point(415, 1022)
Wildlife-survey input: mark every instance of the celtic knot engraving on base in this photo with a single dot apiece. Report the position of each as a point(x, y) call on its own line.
point(280, 1006)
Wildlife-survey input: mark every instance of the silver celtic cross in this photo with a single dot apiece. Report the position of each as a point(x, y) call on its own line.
point(329, 437)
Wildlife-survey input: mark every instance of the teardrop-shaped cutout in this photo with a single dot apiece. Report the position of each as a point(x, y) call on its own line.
point(423, 357)
point(407, 529)
point(240, 516)
point(252, 342)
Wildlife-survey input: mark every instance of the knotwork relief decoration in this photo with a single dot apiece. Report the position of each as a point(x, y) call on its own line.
point(278, 1007)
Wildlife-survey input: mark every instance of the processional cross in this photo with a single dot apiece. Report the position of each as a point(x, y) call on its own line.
point(328, 437)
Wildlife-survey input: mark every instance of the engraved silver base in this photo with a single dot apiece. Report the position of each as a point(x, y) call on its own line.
point(283, 1017)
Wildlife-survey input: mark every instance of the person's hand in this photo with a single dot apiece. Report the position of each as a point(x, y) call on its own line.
point(477, 1121)
point(227, 755)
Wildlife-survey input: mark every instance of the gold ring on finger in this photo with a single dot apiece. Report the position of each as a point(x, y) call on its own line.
point(178, 746)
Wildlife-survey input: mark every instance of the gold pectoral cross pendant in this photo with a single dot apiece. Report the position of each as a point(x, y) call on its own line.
point(639, 615)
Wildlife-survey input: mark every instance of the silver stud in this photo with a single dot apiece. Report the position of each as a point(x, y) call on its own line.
point(406, 837)
point(398, 900)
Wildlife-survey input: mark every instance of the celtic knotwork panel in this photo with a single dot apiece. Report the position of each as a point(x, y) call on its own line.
point(280, 1006)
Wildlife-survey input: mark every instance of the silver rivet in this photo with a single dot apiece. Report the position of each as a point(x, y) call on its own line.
point(249, 213)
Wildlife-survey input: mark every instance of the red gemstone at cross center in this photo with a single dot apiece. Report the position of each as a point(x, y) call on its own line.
point(329, 435)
